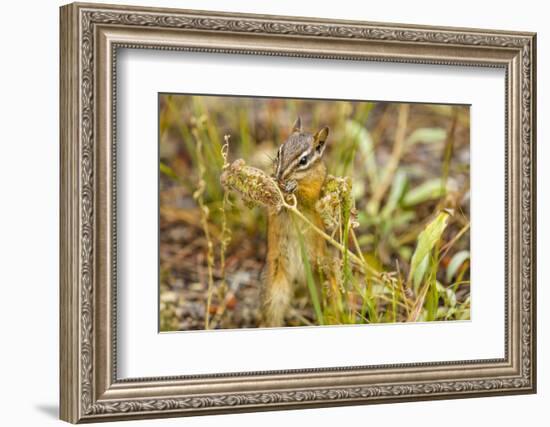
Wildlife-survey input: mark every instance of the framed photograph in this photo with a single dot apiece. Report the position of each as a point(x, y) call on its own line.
point(266, 212)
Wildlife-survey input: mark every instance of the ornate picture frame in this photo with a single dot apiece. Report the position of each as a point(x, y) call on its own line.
point(90, 37)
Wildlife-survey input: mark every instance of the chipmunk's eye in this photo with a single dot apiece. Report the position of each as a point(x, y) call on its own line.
point(303, 161)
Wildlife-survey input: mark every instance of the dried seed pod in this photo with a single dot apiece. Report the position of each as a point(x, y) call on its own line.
point(336, 201)
point(257, 188)
point(252, 184)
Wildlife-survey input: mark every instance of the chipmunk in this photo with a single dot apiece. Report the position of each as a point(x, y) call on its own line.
point(300, 170)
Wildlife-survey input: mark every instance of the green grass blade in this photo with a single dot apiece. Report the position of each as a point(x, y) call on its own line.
point(420, 271)
point(309, 277)
point(366, 147)
point(397, 190)
point(456, 261)
point(427, 240)
point(429, 190)
point(168, 171)
point(427, 135)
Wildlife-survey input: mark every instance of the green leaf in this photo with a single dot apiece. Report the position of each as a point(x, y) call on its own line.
point(427, 135)
point(420, 271)
point(309, 277)
point(448, 295)
point(427, 239)
point(362, 136)
point(403, 218)
point(456, 261)
point(398, 187)
point(429, 190)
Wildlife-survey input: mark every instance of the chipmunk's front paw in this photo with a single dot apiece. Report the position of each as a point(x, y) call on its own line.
point(290, 186)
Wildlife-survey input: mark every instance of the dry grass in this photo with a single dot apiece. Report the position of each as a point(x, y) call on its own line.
point(395, 211)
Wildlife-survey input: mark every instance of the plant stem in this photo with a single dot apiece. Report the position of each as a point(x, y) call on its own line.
point(393, 162)
point(449, 245)
point(198, 195)
point(357, 247)
point(359, 262)
point(294, 209)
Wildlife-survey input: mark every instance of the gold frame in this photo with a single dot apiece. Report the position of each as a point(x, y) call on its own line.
point(90, 36)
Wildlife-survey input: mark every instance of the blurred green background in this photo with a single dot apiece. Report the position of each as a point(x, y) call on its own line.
point(408, 164)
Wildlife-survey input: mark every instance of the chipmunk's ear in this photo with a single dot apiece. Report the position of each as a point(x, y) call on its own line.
point(319, 140)
point(297, 126)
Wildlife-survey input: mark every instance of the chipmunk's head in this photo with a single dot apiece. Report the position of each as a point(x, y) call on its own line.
point(299, 159)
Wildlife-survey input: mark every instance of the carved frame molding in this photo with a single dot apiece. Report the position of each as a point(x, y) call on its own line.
point(90, 37)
